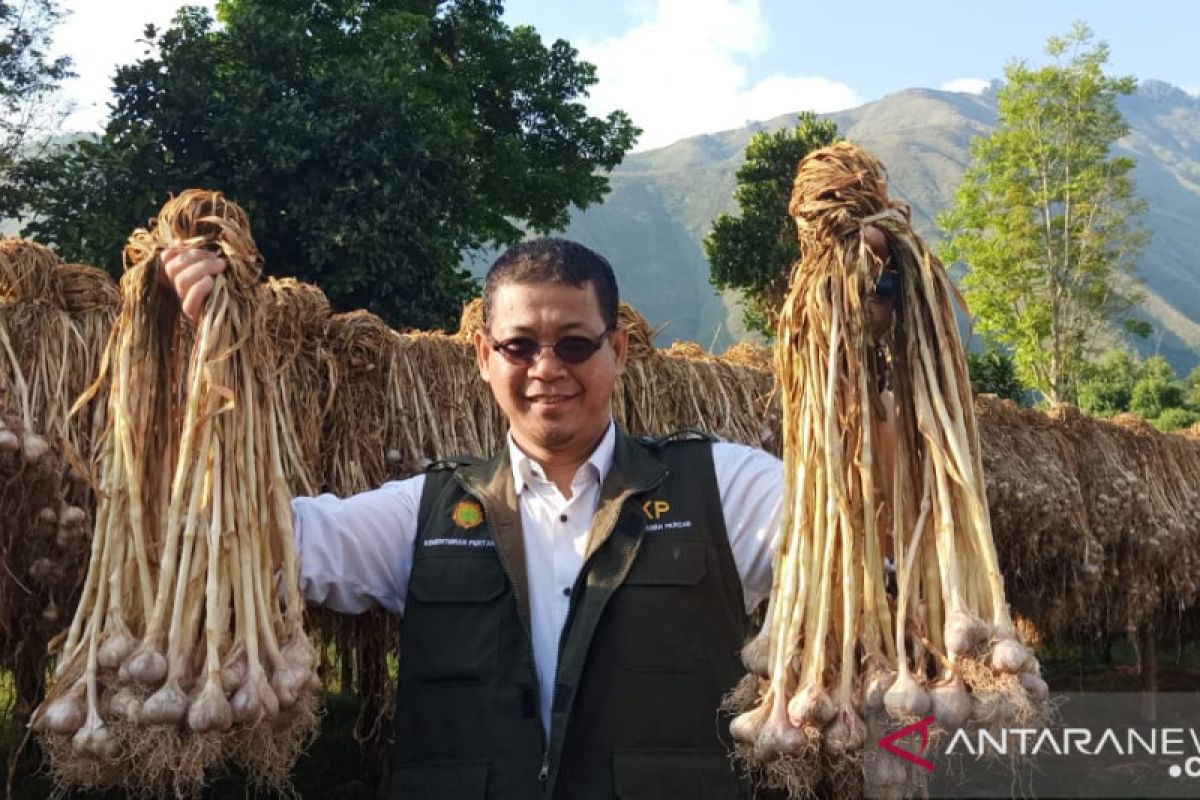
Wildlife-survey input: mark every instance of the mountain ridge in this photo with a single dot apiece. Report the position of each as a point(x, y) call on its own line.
point(663, 202)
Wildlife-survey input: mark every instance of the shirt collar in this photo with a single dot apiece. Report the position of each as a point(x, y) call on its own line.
point(526, 470)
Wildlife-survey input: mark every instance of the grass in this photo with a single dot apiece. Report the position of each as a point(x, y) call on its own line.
point(1091, 667)
point(332, 769)
point(6, 694)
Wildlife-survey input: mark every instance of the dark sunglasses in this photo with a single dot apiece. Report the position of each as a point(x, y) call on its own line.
point(568, 349)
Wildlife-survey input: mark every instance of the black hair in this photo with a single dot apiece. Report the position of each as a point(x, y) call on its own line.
point(554, 260)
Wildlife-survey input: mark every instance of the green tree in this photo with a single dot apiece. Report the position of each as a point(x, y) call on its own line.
point(993, 372)
point(1045, 218)
point(1191, 388)
point(754, 252)
point(1107, 386)
point(29, 77)
point(1156, 389)
point(370, 142)
point(1172, 419)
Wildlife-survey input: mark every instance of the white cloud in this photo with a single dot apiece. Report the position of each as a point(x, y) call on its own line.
point(967, 85)
point(681, 72)
point(781, 94)
point(99, 38)
point(1193, 89)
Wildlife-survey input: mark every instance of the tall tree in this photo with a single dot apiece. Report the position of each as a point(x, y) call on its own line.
point(370, 142)
point(754, 252)
point(1045, 218)
point(29, 77)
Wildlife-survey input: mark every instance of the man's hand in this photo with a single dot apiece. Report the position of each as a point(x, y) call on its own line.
point(191, 272)
point(876, 242)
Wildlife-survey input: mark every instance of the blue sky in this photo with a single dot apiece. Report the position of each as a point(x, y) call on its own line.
point(684, 67)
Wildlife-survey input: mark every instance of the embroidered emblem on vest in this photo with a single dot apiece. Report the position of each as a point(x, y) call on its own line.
point(467, 514)
point(654, 509)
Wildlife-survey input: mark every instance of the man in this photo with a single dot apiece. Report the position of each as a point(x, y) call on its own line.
point(573, 608)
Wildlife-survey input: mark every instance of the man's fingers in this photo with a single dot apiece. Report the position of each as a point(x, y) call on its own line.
point(194, 299)
point(191, 272)
point(174, 259)
point(178, 260)
point(188, 276)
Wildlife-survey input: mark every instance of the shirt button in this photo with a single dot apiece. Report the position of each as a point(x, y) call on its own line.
point(562, 517)
point(567, 592)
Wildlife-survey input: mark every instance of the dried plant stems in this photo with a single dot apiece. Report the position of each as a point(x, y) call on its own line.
point(881, 459)
point(1073, 500)
point(54, 318)
point(201, 640)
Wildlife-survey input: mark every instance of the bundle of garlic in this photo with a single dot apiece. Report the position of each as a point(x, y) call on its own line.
point(43, 538)
point(185, 651)
point(882, 466)
point(54, 318)
point(297, 318)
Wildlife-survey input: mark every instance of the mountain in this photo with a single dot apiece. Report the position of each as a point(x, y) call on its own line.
point(663, 202)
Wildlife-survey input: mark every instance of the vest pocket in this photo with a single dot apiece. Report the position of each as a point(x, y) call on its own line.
point(453, 780)
point(453, 618)
point(658, 608)
point(675, 775)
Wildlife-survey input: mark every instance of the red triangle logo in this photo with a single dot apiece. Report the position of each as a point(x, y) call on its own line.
point(889, 742)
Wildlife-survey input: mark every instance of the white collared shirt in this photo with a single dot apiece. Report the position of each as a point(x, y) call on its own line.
point(357, 552)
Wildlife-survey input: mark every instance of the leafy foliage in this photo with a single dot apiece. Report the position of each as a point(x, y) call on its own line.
point(1156, 389)
point(754, 252)
point(1173, 419)
point(371, 143)
point(29, 78)
point(1191, 388)
point(994, 372)
point(1107, 387)
point(1045, 218)
point(1150, 389)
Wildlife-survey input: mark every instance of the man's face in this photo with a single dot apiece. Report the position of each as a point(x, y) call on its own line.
point(554, 408)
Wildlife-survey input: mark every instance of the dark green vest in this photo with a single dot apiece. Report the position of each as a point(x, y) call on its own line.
point(649, 648)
